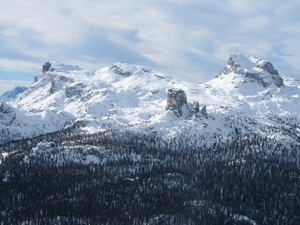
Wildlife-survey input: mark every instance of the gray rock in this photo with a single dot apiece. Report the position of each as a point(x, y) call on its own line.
point(268, 67)
point(46, 67)
point(266, 73)
point(176, 98)
point(195, 108)
point(204, 111)
point(74, 91)
point(117, 70)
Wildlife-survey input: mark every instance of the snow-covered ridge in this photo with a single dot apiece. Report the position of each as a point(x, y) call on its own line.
point(291, 82)
point(125, 96)
point(14, 92)
point(251, 69)
point(60, 67)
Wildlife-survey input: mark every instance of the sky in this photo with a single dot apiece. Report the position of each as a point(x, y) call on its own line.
point(188, 39)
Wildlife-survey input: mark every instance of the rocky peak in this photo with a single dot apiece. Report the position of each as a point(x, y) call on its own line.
point(253, 70)
point(58, 67)
point(176, 98)
point(177, 101)
point(46, 67)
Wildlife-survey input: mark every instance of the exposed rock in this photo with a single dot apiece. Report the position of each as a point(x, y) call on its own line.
point(253, 69)
point(256, 77)
point(117, 70)
point(52, 87)
point(59, 82)
point(176, 98)
point(204, 111)
point(193, 107)
point(46, 67)
point(177, 103)
point(267, 66)
point(74, 91)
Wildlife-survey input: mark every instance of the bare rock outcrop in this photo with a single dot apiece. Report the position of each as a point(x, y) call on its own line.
point(176, 98)
point(117, 70)
point(177, 102)
point(204, 111)
point(253, 70)
point(46, 67)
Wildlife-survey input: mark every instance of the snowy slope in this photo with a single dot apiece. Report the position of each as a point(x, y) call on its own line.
point(14, 92)
point(247, 96)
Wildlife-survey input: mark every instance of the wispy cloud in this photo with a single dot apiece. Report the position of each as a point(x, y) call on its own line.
point(190, 39)
point(18, 65)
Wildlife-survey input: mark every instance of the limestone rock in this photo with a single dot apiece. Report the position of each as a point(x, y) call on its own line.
point(74, 91)
point(204, 111)
point(119, 71)
point(193, 108)
point(46, 67)
point(176, 98)
point(253, 70)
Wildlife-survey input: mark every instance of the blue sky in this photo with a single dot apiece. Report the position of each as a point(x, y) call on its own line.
point(189, 39)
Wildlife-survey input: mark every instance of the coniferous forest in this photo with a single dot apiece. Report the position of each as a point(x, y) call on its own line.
point(134, 178)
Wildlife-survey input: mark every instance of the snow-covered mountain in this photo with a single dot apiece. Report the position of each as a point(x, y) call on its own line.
point(129, 145)
point(247, 96)
point(14, 92)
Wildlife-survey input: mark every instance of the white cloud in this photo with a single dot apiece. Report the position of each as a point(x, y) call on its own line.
point(19, 65)
point(192, 39)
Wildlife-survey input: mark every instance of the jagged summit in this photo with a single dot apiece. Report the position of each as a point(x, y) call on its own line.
point(245, 68)
point(125, 69)
point(58, 67)
point(129, 96)
point(123, 136)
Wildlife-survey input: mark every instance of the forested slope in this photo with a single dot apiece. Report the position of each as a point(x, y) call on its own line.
point(132, 178)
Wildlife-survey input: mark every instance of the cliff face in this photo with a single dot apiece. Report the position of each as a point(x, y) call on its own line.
point(176, 98)
point(253, 70)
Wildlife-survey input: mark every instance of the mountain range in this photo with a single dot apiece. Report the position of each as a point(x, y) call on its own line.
point(158, 149)
point(247, 91)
